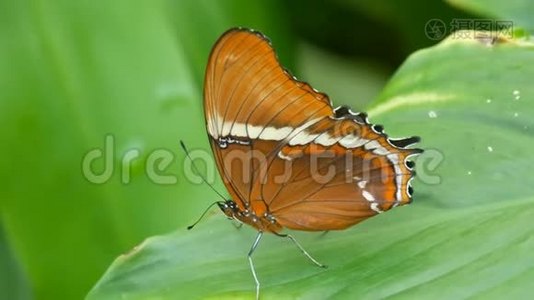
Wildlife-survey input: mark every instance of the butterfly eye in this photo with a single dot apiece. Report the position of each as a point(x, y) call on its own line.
point(222, 205)
point(229, 204)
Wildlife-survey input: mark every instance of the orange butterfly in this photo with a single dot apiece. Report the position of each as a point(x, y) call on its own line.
point(287, 157)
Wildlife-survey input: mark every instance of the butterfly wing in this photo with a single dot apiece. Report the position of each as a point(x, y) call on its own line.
point(345, 175)
point(245, 92)
point(273, 136)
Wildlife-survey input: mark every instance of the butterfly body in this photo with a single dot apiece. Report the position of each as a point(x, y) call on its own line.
point(265, 223)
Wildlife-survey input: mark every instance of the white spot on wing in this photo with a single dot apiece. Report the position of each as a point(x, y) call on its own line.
point(253, 131)
point(368, 196)
point(211, 128)
point(361, 183)
point(374, 206)
point(239, 130)
point(302, 138)
point(282, 156)
point(377, 148)
point(372, 145)
point(394, 159)
point(325, 139)
point(300, 129)
point(275, 134)
point(219, 124)
point(381, 151)
point(225, 130)
point(352, 141)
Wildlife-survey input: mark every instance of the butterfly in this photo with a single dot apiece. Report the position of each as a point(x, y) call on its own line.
point(287, 157)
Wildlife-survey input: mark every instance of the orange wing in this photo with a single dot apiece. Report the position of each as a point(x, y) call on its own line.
point(273, 136)
point(246, 91)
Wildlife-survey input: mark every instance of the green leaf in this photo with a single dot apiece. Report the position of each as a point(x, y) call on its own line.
point(13, 282)
point(355, 81)
point(72, 74)
point(468, 233)
point(472, 105)
point(518, 11)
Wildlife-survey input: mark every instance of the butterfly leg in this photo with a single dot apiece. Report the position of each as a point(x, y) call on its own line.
point(303, 250)
point(237, 225)
point(254, 245)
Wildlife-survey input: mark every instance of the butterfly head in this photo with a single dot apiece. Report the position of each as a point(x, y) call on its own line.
point(228, 207)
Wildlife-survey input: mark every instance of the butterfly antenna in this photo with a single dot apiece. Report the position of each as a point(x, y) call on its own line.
point(203, 214)
point(198, 173)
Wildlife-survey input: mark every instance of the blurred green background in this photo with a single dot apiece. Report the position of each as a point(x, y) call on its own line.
point(73, 72)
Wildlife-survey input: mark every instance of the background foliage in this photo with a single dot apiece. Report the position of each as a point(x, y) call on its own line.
point(73, 72)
